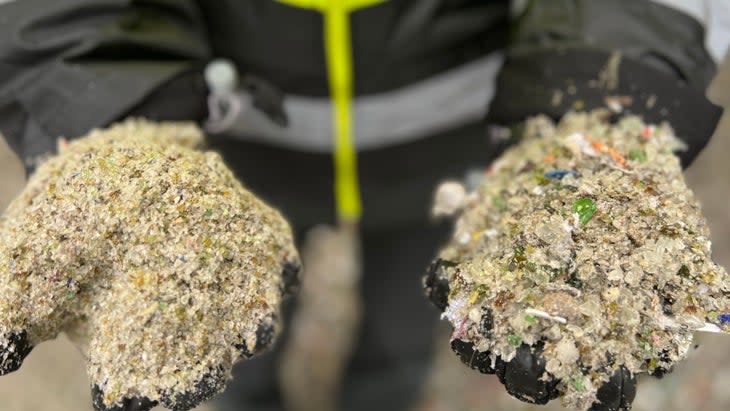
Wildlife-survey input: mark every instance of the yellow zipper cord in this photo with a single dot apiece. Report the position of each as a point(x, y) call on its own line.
point(339, 71)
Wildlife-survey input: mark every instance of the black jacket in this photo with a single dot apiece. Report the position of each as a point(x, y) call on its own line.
point(70, 65)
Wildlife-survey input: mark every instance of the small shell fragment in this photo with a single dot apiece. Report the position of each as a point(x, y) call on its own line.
point(449, 199)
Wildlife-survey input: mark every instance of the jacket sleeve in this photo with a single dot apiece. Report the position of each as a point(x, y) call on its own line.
point(574, 54)
point(67, 66)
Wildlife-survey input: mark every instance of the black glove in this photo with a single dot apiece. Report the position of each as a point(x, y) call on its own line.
point(163, 316)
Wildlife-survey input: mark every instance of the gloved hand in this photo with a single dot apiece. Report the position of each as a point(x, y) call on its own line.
point(580, 261)
point(152, 257)
point(524, 375)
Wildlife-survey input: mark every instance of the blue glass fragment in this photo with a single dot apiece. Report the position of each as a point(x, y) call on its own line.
point(558, 174)
point(724, 318)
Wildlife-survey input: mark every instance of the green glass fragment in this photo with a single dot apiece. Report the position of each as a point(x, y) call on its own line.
point(638, 155)
point(514, 340)
point(499, 203)
point(579, 383)
point(585, 207)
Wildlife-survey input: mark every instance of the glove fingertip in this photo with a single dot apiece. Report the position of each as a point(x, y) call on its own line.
point(14, 352)
point(474, 359)
point(436, 283)
point(628, 389)
point(205, 389)
point(127, 404)
point(524, 376)
point(265, 334)
point(290, 281)
point(617, 393)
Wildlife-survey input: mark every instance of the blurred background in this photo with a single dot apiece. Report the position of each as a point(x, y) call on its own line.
point(53, 377)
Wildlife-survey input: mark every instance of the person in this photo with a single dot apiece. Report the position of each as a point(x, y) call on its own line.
point(421, 90)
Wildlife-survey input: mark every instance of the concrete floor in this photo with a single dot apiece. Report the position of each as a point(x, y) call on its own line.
point(53, 377)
